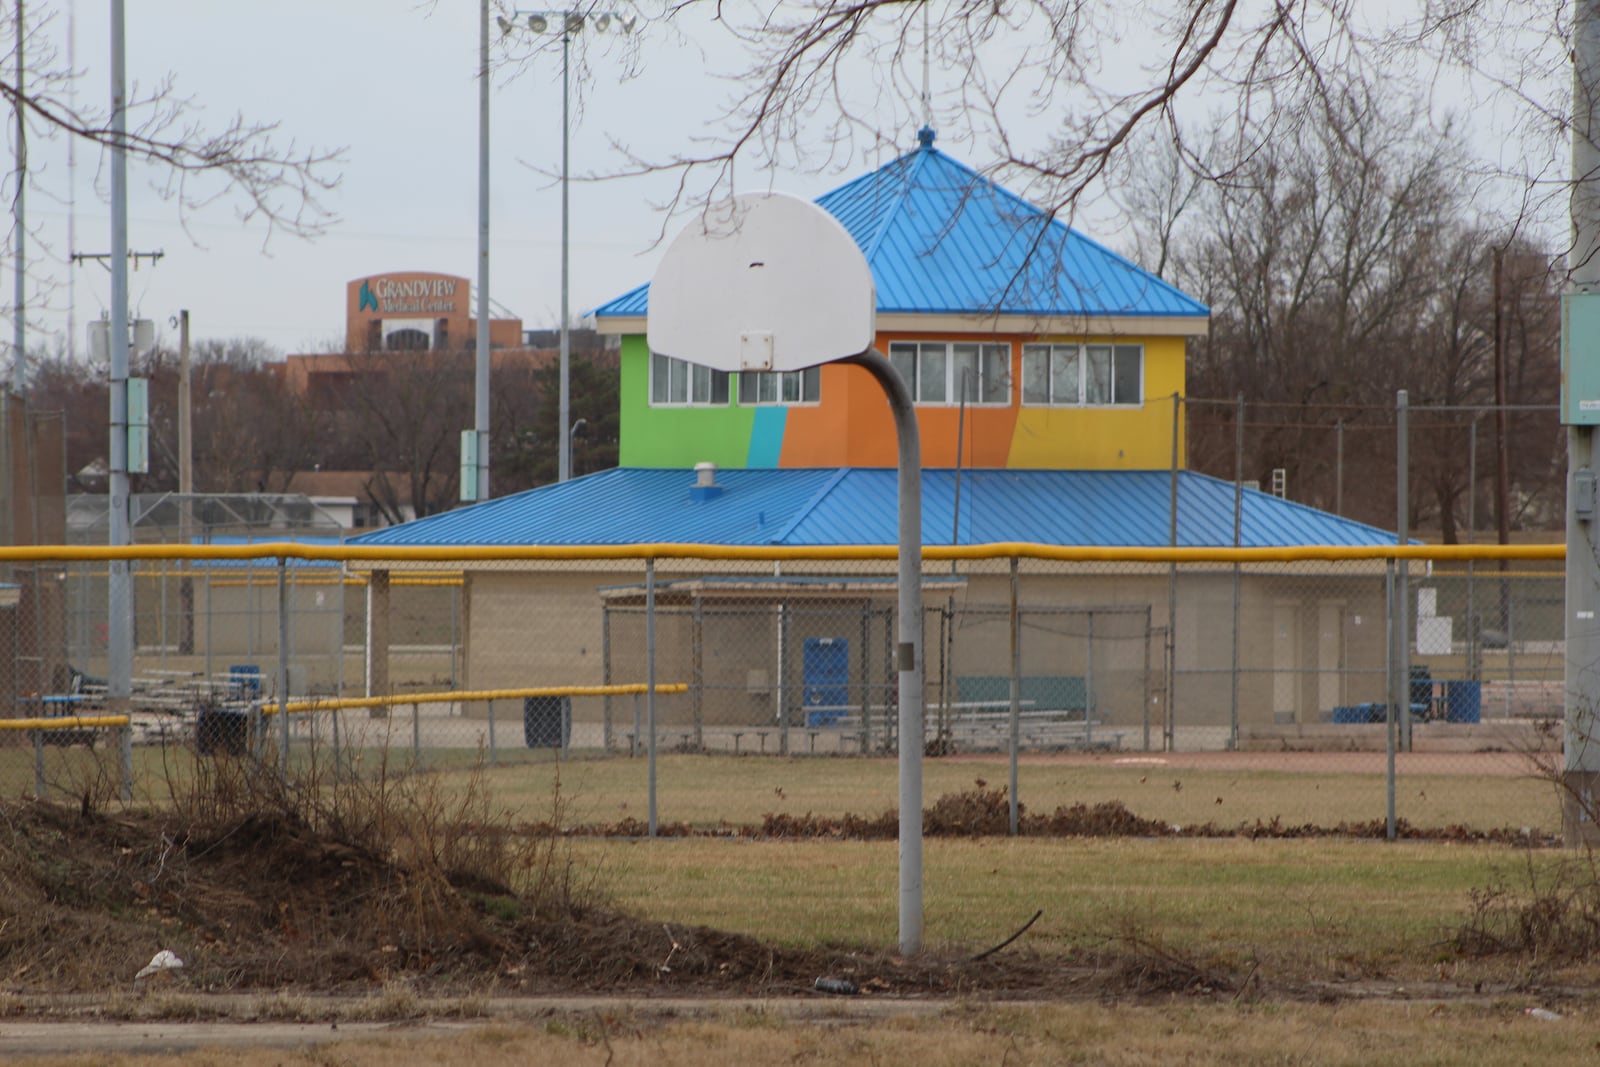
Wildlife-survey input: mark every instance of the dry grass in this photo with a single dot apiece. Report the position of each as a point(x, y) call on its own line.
point(1312, 909)
point(706, 790)
point(1416, 1035)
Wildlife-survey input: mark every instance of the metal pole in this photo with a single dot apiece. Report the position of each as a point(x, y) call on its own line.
point(1016, 695)
point(909, 653)
point(1581, 748)
point(650, 677)
point(1403, 528)
point(480, 405)
point(699, 675)
point(283, 668)
point(1169, 720)
point(119, 624)
point(783, 678)
point(1474, 668)
point(19, 318)
point(494, 753)
point(565, 466)
point(605, 675)
point(1338, 468)
point(1238, 533)
point(1391, 665)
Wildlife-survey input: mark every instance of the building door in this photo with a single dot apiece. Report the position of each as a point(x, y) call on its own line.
point(1330, 655)
point(825, 681)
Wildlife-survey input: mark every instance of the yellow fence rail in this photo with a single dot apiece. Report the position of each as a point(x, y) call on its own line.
point(464, 696)
point(1000, 550)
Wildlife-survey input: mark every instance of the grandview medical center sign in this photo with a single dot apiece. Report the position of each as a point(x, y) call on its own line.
point(410, 296)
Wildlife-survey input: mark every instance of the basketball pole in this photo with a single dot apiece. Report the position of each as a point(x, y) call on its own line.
point(909, 652)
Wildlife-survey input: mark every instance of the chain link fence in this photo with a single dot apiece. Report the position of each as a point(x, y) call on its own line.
point(404, 663)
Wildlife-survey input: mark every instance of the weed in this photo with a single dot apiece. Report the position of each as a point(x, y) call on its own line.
point(1551, 914)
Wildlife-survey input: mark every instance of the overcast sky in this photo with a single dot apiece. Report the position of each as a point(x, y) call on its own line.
point(393, 83)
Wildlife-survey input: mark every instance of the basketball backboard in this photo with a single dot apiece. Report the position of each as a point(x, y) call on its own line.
point(765, 282)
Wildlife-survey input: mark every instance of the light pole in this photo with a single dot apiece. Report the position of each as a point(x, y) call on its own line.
point(571, 22)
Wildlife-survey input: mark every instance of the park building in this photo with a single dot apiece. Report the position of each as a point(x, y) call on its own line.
point(1046, 371)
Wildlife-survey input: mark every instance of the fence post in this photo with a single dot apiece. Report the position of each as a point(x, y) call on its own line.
point(607, 732)
point(650, 677)
point(1402, 567)
point(1238, 533)
point(783, 678)
point(38, 764)
point(1016, 694)
point(494, 756)
point(699, 675)
point(125, 739)
point(283, 666)
point(1391, 666)
point(416, 735)
point(1169, 725)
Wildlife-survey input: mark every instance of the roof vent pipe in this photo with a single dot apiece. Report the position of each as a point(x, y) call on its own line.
point(705, 482)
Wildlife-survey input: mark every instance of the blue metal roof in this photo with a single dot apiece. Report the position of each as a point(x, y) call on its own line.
point(943, 239)
point(857, 506)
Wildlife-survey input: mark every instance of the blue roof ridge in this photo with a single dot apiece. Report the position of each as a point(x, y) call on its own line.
point(804, 510)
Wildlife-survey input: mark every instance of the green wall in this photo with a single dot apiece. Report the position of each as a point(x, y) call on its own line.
point(675, 436)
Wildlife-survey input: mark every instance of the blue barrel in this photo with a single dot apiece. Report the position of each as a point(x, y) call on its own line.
point(1351, 713)
point(1463, 701)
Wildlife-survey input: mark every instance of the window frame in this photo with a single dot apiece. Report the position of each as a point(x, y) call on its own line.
point(951, 390)
point(1111, 356)
point(780, 380)
point(691, 371)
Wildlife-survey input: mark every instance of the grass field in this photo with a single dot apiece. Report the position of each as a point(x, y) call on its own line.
point(1289, 924)
point(706, 790)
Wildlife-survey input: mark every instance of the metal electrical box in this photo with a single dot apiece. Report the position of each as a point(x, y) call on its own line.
point(1580, 359)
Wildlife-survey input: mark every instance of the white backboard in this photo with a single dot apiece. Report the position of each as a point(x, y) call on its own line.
point(763, 281)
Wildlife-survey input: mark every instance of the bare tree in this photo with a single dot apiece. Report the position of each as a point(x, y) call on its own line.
point(278, 180)
point(1063, 91)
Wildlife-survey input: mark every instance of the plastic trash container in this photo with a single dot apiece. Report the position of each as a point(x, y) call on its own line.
point(1463, 701)
point(546, 722)
point(222, 731)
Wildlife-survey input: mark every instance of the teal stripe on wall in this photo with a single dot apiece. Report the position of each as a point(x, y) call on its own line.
point(766, 437)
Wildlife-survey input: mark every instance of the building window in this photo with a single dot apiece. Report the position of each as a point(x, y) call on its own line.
point(947, 372)
point(1083, 375)
point(781, 387)
point(674, 381)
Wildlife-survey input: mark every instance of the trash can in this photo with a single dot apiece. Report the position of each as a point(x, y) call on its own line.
point(1463, 701)
point(222, 731)
point(547, 722)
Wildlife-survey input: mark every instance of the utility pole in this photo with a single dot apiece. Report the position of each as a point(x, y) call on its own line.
point(185, 482)
point(19, 324)
point(480, 419)
point(119, 593)
point(1580, 411)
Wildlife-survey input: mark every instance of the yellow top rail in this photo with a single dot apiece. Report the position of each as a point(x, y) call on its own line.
point(65, 722)
point(557, 553)
point(471, 695)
